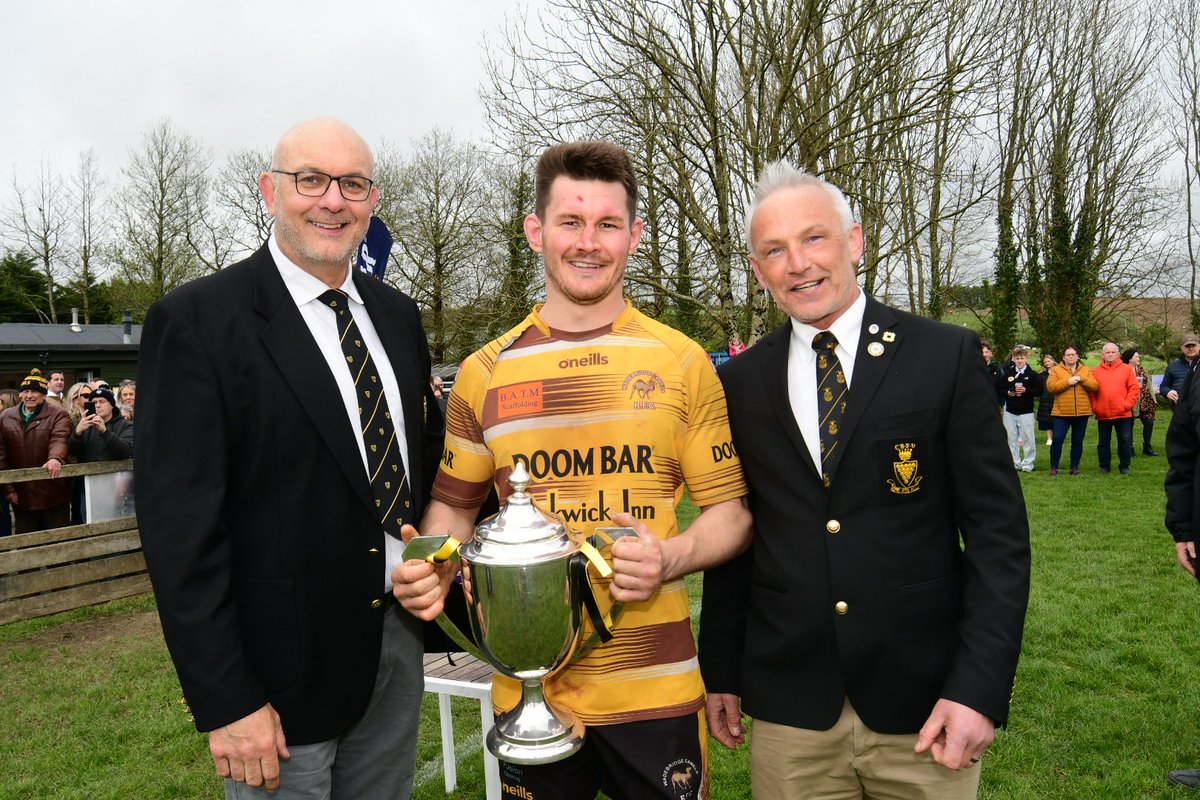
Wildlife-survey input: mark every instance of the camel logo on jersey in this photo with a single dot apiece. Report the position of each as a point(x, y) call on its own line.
point(641, 386)
point(683, 778)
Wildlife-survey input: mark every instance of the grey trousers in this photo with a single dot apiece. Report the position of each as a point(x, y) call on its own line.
point(376, 758)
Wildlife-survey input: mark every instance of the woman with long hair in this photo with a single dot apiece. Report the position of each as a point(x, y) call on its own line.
point(1147, 406)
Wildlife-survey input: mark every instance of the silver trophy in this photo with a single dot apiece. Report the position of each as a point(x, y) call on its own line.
point(525, 579)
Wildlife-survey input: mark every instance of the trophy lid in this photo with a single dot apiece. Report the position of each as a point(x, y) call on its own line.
point(521, 532)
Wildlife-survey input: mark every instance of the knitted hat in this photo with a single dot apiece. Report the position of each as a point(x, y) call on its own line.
point(36, 382)
point(106, 393)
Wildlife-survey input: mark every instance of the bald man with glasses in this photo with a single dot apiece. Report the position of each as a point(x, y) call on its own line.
point(271, 522)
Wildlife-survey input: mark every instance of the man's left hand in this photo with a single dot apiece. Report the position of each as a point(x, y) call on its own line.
point(53, 466)
point(637, 563)
point(956, 735)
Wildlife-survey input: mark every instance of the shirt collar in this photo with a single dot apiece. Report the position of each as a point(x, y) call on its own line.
point(845, 328)
point(303, 286)
point(535, 318)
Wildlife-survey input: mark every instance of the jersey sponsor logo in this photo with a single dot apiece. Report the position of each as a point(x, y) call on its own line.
point(642, 386)
point(519, 398)
point(516, 791)
point(682, 777)
point(599, 511)
point(590, 360)
point(603, 460)
point(722, 451)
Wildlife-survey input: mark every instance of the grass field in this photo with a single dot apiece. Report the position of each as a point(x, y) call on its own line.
point(1106, 701)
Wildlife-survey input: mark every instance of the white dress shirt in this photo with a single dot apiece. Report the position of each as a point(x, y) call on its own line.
point(305, 290)
point(802, 369)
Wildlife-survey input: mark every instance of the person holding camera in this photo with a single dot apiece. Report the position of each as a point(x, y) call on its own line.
point(101, 433)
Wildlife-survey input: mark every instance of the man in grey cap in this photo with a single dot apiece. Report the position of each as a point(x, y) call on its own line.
point(1175, 380)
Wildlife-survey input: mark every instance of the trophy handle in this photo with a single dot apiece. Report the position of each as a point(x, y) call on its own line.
point(430, 548)
point(601, 542)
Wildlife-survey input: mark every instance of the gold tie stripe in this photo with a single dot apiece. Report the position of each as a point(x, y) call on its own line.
point(385, 468)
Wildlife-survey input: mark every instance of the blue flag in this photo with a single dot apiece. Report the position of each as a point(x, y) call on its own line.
point(375, 248)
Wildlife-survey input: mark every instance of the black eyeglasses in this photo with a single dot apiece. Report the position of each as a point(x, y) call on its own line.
point(311, 183)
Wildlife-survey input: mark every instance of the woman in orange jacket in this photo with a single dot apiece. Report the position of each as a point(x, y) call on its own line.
point(1071, 383)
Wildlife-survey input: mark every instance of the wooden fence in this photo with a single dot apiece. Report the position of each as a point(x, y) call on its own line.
point(57, 570)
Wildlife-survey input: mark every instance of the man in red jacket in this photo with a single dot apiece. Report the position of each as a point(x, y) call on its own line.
point(1113, 406)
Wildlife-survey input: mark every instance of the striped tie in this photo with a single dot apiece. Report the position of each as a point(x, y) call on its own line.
point(831, 401)
point(393, 496)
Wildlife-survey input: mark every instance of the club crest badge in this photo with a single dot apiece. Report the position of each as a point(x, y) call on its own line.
point(682, 778)
point(642, 386)
point(907, 480)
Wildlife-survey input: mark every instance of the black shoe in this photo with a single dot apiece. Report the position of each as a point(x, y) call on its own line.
point(1184, 777)
point(1104, 470)
point(1149, 451)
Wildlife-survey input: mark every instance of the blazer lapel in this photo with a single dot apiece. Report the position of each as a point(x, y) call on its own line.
point(774, 376)
point(291, 345)
point(871, 364)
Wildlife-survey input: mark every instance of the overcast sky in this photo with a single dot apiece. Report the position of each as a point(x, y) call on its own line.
point(232, 73)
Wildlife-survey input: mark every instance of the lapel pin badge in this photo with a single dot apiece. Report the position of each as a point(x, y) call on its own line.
point(888, 336)
point(875, 349)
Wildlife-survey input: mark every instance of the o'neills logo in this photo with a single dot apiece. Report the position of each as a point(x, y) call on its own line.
point(590, 360)
point(642, 385)
point(516, 791)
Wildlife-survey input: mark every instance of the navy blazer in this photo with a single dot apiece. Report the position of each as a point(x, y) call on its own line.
point(256, 515)
point(907, 580)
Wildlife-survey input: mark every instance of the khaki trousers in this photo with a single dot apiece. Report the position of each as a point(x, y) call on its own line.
point(849, 762)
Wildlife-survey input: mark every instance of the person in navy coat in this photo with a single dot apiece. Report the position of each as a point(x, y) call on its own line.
point(872, 630)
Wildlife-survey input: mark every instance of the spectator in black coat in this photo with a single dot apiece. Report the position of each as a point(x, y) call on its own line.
point(1046, 403)
point(102, 434)
point(1176, 377)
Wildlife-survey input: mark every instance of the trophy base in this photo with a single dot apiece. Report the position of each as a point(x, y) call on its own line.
point(535, 733)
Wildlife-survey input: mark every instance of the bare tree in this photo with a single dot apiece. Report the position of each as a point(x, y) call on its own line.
point(437, 221)
point(704, 94)
point(90, 223)
point(1093, 167)
point(1182, 72)
point(164, 184)
point(38, 222)
point(515, 266)
point(238, 196)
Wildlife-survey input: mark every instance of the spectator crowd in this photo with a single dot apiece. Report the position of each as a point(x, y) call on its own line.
point(1068, 393)
point(44, 425)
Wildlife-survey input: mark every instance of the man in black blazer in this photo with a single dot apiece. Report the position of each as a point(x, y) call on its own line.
point(872, 630)
point(262, 530)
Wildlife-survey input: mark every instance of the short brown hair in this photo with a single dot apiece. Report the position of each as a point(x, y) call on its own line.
point(585, 161)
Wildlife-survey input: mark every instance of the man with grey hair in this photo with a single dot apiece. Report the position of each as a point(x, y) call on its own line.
point(873, 628)
point(271, 524)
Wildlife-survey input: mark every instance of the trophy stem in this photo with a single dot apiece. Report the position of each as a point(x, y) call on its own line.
point(535, 732)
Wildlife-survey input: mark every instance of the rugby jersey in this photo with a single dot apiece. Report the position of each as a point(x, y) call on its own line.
point(616, 419)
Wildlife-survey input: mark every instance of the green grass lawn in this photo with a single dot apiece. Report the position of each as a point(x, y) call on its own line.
point(1106, 701)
